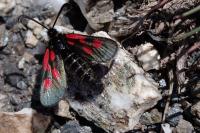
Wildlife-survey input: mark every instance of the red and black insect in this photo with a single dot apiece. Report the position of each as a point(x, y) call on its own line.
point(77, 52)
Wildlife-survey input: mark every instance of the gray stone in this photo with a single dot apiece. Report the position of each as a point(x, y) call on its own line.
point(174, 115)
point(74, 127)
point(97, 15)
point(184, 127)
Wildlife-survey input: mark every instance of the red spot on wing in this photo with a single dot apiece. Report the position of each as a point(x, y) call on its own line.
point(87, 50)
point(46, 60)
point(70, 43)
point(47, 83)
point(97, 43)
point(55, 73)
point(82, 41)
point(52, 55)
point(74, 36)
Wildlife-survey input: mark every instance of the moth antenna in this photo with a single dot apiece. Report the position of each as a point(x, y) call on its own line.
point(27, 17)
point(63, 6)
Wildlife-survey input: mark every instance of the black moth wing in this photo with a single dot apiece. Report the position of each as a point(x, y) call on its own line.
point(98, 49)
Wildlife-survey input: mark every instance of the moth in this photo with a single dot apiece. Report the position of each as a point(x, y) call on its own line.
point(69, 53)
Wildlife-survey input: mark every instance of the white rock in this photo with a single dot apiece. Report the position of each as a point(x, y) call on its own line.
point(166, 128)
point(21, 63)
point(63, 110)
point(6, 6)
point(148, 57)
point(195, 110)
point(126, 94)
point(32, 25)
point(31, 40)
point(24, 121)
point(47, 21)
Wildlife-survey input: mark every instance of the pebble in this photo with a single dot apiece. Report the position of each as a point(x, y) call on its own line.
point(174, 115)
point(184, 127)
point(15, 100)
point(21, 63)
point(74, 127)
point(6, 6)
point(195, 110)
point(31, 41)
point(22, 85)
point(148, 56)
point(63, 110)
point(3, 36)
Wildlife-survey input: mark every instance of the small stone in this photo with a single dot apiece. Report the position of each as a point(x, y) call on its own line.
point(6, 6)
point(195, 110)
point(184, 127)
point(21, 63)
point(24, 121)
point(63, 110)
point(151, 117)
point(22, 85)
point(148, 56)
point(166, 128)
point(15, 100)
point(97, 13)
point(47, 21)
point(31, 40)
point(37, 32)
point(28, 56)
point(3, 36)
point(74, 127)
point(174, 115)
point(14, 79)
point(32, 25)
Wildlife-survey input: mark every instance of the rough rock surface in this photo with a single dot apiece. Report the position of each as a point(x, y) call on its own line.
point(148, 57)
point(24, 121)
point(97, 13)
point(184, 127)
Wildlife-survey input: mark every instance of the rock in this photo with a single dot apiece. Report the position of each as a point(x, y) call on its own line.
point(123, 95)
point(15, 99)
point(184, 127)
point(174, 115)
point(24, 121)
point(3, 98)
point(37, 32)
point(74, 127)
point(22, 85)
point(148, 57)
point(31, 41)
point(152, 117)
point(4, 37)
point(28, 56)
point(6, 6)
point(21, 63)
point(14, 78)
point(127, 19)
point(166, 128)
point(47, 22)
point(32, 25)
point(195, 89)
point(97, 13)
point(195, 110)
point(63, 110)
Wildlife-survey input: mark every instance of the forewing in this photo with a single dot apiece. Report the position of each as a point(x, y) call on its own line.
point(53, 79)
point(97, 49)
